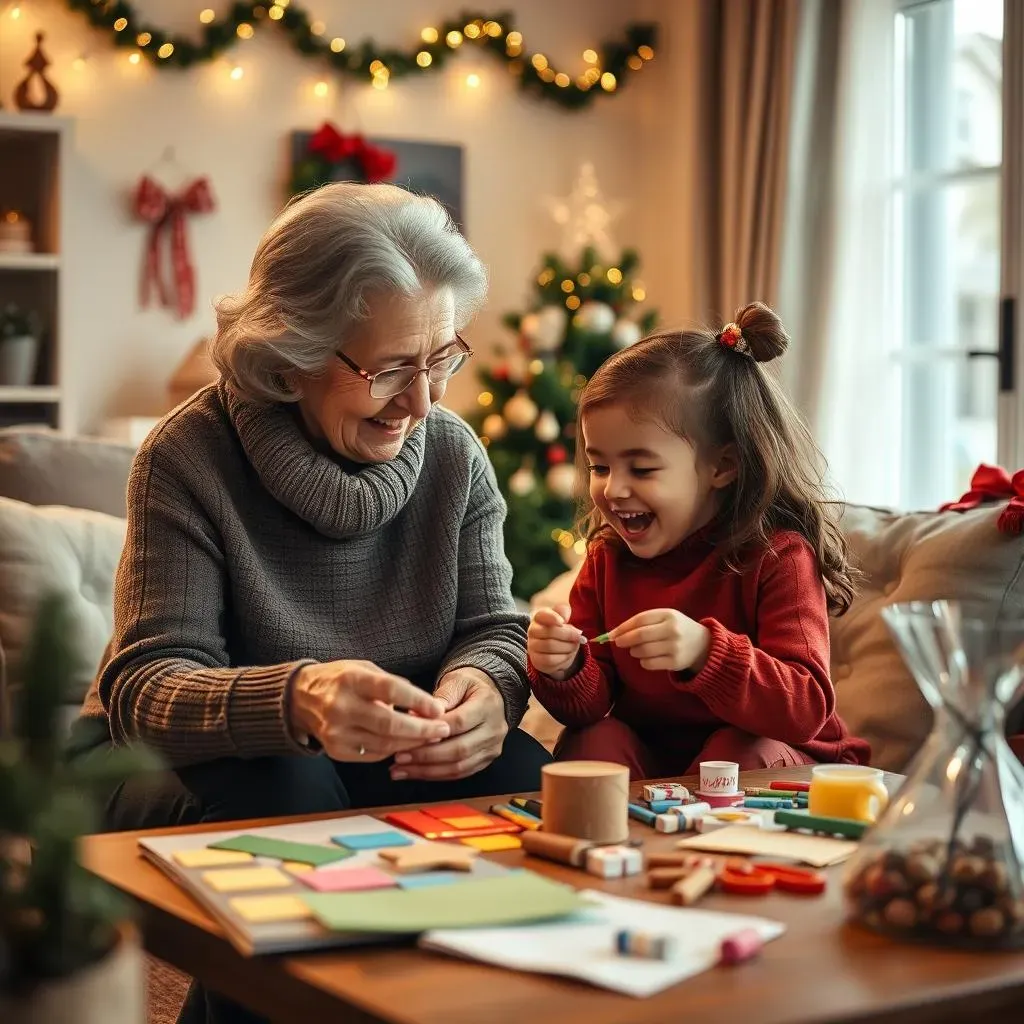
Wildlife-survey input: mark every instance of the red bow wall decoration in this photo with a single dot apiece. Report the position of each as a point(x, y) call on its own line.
point(164, 211)
point(993, 483)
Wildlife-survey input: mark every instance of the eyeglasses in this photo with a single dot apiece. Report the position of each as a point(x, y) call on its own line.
point(389, 383)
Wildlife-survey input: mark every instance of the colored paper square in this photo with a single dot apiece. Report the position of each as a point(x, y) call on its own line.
point(207, 858)
point(241, 879)
point(470, 821)
point(445, 811)
point(268, 909)
point(430, 878)
point(372, 840)
point(416, 821)
point(493, 843)
point(432, 828)
point(282, 849)
point(348, 879)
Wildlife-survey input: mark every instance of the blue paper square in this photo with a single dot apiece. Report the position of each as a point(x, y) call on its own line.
point(372, 840)
point(431, 878)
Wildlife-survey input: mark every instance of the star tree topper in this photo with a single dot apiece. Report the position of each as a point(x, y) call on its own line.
point(586, 216)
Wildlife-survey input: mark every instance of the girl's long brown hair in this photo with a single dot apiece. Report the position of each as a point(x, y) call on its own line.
point(712, 395)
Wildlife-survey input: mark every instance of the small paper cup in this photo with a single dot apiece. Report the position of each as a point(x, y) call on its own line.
point(717, 777)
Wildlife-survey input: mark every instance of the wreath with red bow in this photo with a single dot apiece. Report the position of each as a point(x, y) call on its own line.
point(333, 156)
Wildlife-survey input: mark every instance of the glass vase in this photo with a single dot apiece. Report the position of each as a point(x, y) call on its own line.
point(945, 862)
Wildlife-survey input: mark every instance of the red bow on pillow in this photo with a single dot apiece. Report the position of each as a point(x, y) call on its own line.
point(377, 164)
point(993, 483)
point(161, 210)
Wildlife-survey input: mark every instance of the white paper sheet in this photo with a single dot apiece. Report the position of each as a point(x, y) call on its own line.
point(584, 946)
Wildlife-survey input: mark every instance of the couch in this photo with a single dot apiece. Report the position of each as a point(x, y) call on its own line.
point(62, 508)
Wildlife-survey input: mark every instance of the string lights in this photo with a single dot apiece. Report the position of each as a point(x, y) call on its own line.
point(607, 70)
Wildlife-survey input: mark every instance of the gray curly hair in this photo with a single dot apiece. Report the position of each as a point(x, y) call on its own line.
point(313, 270)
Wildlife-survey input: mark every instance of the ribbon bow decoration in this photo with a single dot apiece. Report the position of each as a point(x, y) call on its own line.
point(993, 483)
point(164, 211)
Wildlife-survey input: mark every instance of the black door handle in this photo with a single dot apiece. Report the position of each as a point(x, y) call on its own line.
point(1004, 354)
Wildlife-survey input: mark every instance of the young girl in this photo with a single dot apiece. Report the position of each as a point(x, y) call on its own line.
point(713, 561)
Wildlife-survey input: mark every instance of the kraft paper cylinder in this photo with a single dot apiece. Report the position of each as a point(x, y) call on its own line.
point(586, 799)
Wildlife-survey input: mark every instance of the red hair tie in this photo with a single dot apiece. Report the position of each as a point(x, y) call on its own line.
point(732, 338)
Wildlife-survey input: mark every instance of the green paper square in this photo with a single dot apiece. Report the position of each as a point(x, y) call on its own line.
point(282, 849)
point(517, 897)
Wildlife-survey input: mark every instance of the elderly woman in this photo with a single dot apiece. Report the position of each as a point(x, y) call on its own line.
point(313, 608)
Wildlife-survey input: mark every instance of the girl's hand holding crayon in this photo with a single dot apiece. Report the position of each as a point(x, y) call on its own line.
point(553, 646)
point(664, 639)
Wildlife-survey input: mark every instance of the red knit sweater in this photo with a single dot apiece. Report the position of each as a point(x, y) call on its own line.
point(767, 670)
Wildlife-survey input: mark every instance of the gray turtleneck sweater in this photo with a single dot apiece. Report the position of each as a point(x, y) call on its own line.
point(250, 553)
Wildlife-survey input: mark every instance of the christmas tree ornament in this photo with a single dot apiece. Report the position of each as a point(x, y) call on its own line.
point(37, 64)
point(522, 481)
point(548, 329)
point(520, 411)
point(517, 365)
point(557, 454)
point(561, 480)
point(595, 317)
point(547, 428)
point(494, 426)
point(625, 333)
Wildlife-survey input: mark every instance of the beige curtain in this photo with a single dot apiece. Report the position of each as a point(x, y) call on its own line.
point(807, 285)
point(748, 52)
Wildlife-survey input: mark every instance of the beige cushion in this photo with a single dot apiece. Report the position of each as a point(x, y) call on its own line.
point(45, 467)
point(905, 557)
point(920, 556)
point(51, 548)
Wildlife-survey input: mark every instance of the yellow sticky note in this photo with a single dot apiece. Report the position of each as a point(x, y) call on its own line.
point(206, 858)
point(476, 821)
point(240, 879)
point(492, 843)
point(263, 909)
point(293, 867)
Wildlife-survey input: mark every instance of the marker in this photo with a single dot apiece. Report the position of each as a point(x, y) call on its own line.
point(775, 794)
point(818, 823)
point(663, 806)
point(764, 803)
point(509, 814)
point(530, 806)
point(638, 813)
point(800, 787)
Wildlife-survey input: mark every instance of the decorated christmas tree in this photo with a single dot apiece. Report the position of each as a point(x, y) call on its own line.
point(583, 309)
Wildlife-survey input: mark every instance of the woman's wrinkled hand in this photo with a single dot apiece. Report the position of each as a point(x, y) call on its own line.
point(349, 707)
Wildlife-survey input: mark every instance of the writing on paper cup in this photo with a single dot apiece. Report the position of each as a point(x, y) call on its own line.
point(719, 776)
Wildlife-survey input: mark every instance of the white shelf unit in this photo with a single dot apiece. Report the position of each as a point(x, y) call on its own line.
point(33, 159)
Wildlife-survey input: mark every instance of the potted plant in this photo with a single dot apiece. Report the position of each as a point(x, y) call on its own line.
point(68, 951)
point(20, 333)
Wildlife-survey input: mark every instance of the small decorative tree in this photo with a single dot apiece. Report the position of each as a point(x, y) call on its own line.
point(55, 917)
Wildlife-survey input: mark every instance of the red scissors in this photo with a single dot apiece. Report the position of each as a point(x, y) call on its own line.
point(757, 879)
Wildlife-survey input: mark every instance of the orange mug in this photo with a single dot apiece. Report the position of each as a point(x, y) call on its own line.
point(847, 791)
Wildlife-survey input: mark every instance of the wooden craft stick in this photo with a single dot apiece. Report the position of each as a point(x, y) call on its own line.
point(694, 886)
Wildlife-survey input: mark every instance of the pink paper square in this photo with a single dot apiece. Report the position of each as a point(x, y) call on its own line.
point(347, 879)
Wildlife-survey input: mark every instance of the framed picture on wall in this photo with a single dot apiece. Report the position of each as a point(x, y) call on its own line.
point(425, 168)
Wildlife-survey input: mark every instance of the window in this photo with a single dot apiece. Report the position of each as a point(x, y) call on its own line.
point(947, 225)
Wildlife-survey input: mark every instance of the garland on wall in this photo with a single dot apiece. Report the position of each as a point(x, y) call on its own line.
point(607, 70)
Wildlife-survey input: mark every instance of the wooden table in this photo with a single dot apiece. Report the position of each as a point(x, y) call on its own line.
point(821, 970)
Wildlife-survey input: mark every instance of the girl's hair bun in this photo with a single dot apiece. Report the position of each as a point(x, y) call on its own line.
point(763, 332)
